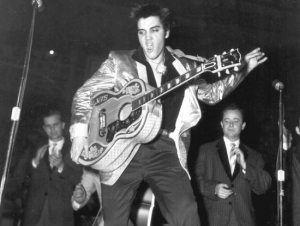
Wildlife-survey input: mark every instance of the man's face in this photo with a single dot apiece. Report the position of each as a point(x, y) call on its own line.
point(232, 124)
point(152, 35)
point(54, 127)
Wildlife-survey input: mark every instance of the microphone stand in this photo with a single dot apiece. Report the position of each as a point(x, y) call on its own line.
point(280, 171)
point(17, 109)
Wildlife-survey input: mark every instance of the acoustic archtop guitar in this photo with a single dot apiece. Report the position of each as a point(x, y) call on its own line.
point(142, 207)
point(133, 115)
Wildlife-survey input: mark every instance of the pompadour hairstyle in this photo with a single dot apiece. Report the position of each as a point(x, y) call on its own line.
point(153, 9)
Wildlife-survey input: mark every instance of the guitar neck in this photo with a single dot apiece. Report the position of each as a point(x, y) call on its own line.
point(215, 64)
point(165, 88)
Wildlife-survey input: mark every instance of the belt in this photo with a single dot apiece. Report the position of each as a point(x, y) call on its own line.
point(164, 132)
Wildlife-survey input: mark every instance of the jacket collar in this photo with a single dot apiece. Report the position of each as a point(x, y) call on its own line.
point(139, 56)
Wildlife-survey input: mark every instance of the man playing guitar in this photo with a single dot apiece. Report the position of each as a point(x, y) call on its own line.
point(104, 125)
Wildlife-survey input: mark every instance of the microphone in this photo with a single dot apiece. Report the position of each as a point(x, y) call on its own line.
point(277, 85)
point(40, 5)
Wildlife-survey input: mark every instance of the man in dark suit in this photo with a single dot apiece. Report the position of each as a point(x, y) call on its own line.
point(53, 177)
point(227, 171)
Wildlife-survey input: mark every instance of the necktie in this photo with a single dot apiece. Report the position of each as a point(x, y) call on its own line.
point(232, 157)
point(52, 151)
point(232, 150)
point(53, 148)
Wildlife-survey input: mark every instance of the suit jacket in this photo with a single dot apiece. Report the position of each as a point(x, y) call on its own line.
point(57, 188)
point(212, 168)
point(119, 69)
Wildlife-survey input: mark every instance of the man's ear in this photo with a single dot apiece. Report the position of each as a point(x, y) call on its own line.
point(221, 124)
point(297, 130)
point(167, 34)
point(63, 125)
point(243, 126)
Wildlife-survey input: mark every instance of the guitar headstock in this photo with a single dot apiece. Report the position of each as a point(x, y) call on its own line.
point(231, 59)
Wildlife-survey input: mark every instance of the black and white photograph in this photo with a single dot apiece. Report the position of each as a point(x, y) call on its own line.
point(150, 113)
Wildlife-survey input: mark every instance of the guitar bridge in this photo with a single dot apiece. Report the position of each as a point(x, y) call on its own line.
point(102, 123)
point(118, 125)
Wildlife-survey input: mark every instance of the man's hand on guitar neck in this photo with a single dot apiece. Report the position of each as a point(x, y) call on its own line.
point(78, 145)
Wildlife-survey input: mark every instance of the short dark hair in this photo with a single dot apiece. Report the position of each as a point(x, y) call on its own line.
point(232, 107)
point(153, 9)
point(51, 112)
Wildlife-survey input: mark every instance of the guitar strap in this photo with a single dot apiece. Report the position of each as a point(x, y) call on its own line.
point(180, 54)
point(179, 67)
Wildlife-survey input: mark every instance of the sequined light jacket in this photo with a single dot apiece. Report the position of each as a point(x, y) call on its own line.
point(117, 70)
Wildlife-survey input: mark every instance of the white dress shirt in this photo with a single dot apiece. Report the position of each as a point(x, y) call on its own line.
point(57, 147)
point(231, 160)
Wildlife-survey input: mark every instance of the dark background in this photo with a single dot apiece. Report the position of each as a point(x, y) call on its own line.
point(83, 32)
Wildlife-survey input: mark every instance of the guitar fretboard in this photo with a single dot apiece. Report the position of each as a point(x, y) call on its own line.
point(214, 64)
point(167, 87)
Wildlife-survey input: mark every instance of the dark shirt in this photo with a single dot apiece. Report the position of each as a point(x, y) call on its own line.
point(172, 100)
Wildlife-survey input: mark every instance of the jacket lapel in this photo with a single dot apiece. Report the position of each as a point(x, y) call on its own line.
point(221, 148)
point(46, 158)
point(236, 171)
point(145, 73)
point(65, 148)
point(142, 71)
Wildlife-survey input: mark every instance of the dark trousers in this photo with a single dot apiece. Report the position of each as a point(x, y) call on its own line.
point(156, 163)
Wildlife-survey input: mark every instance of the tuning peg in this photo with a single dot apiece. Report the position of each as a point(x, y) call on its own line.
point(219, 74)
point(231, 50)
point(227, 71)
point(224, 53)
point(235, 68)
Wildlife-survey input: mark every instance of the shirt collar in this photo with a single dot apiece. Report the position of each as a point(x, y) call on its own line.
point(59, 143)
